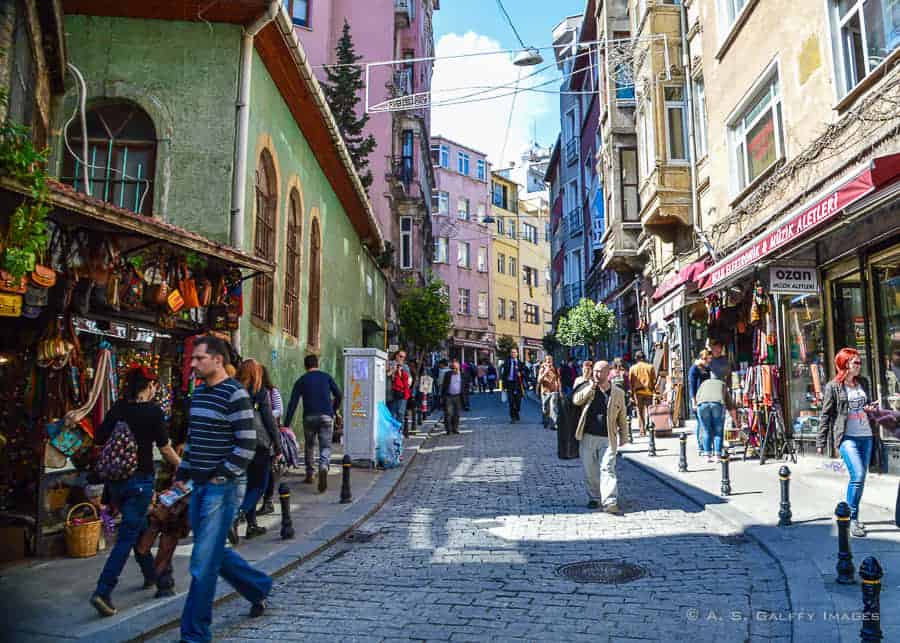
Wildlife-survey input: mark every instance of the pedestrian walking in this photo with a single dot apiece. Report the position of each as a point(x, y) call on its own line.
point(618, 376)
point(268, 448)
point(221, 440)
point(719, 362)
point(549, 386)
point(845, 424)
point(587, 373)
point(138, 414)
point(424, 387)
point(400, 381)
point(697, 374)
point(642, 380)
point(491, 377)
point(712, 400)
point(321, 397)
point(481, 372)
point(277, 404)
point(602, 429)
point(513, 383)
point(453, 392)
point(568, 374)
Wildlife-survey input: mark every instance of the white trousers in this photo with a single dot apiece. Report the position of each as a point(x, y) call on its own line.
point(599, 469)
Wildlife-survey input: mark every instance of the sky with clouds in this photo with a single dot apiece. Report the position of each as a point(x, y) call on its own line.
point(481, 88)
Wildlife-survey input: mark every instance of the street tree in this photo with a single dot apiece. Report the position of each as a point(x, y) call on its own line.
point(342, 92)
point(505, 344)
point(586, 324)
point(425, 319)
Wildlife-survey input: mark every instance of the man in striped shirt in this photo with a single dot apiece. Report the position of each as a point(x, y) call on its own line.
point(221, 441)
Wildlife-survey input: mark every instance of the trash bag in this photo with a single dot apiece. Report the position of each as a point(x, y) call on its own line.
point(388, 438)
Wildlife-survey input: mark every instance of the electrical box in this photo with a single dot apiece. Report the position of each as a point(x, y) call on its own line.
point(364, 389)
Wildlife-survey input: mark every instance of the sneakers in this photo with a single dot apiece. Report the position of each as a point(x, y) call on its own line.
point(323, 480)
point(254, 530)
point(612, 509)
point(103, 605)
point(258, 609)
point(267, 508)
point(857, 529)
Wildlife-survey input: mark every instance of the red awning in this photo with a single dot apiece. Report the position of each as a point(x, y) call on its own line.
point(811, 217)
point(688, 274)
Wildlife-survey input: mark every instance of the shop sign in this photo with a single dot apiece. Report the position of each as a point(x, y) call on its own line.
point(784, 279)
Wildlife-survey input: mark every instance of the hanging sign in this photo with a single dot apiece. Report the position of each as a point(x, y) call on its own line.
point(793, 280)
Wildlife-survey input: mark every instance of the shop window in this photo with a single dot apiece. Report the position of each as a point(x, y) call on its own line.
point(887, 290)
point(849, 310)
point(121, 159)
point(291, 306)
point(807, 376)
point(315, 284)
point(756, 135)
point(264, 236)
point(868, 31)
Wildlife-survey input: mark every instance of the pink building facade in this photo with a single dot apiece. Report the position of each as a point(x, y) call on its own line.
point(462, 244)
point(403, 177)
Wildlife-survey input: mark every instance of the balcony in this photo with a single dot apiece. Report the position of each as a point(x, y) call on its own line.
point(572, 150)
point(403, 83)
point(403, 13)
point(666, 200)
point(621, 248)
point(572, 294)
point(574, 222)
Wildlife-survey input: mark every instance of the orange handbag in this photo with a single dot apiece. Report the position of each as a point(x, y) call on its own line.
point(188, 288)
point(43, 276)
point(8, 283)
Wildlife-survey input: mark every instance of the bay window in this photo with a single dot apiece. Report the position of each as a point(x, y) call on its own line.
point(675, 124)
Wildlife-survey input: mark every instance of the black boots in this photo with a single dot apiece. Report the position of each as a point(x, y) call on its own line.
point(253, 529)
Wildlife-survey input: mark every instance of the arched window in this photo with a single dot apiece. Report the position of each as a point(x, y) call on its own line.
point(121, 159)
point(315, 274)
point(291, 306)
point(264, 236)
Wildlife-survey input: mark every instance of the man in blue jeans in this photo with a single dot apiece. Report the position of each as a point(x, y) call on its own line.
point(321, 396)
point(221, 441)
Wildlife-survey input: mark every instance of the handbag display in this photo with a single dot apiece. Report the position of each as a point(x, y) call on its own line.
point(175, 301)
point(8, 283)
point(10, 305)
point(188, 289)
point(204, 293)
point(43, 276)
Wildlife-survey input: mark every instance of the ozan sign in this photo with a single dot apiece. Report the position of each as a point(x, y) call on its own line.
point(783, 279)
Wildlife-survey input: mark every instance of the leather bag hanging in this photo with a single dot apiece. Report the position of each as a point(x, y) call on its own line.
point(43, 276)
point(157, 291)
point(204, 292)
point(187, 286)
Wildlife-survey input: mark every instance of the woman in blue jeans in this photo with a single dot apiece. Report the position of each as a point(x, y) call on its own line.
point(132, 496)
point(845, 425)
point(712, 399)
point(697, 374)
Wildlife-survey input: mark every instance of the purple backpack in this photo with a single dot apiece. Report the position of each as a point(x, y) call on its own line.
point(119, 458)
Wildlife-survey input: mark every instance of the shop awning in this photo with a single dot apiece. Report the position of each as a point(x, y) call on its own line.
point(688, 274)
point(71, 207)
point(812, 216)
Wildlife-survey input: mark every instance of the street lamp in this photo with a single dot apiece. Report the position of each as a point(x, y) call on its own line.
point(528, 57)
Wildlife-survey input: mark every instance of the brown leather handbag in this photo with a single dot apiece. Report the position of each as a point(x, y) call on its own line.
point(188, 288)
point(43, 276)
point(8, 283)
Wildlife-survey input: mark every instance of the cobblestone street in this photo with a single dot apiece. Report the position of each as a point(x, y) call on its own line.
point(468, 548)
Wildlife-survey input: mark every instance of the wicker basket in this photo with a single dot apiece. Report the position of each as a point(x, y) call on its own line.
point(82, 540)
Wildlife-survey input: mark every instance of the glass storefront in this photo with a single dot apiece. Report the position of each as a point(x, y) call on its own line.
point(849, 310)
point(804, 360)
point(886, 280)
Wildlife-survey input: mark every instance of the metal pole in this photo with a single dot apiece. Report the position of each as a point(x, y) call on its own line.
point(845, 557)
point(346, 495)
point(726, 478)
point(870, 572)
point(287, 525)
point(784, 514)
point(682, 453)
point(651, 448)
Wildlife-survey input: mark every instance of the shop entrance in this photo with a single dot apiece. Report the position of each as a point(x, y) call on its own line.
point(849, 312)
point(886, 282)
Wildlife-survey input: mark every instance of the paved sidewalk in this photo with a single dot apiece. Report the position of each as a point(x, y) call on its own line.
point(47, 600)
point(821, 609)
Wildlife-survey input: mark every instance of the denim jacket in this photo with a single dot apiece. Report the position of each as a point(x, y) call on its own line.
point(835, 409)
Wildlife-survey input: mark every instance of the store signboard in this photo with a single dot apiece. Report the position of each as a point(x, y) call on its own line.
point(793, 280)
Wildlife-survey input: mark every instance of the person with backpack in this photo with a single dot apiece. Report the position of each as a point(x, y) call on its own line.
point(400, 379)
point(128, 432)
point(268, 447)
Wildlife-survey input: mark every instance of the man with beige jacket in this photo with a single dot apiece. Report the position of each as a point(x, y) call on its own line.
point(602, 428)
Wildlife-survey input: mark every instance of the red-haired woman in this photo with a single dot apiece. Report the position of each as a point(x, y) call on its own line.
point(268, 445)
point(844, 418)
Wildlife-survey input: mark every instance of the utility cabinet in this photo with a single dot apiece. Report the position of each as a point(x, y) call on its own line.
point(364, 390)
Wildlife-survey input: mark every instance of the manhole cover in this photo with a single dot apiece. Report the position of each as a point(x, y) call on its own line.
point(611, 572)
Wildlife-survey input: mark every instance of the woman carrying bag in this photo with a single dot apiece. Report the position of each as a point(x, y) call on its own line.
point(268, 446)
point(845, 421)
point(138, 414)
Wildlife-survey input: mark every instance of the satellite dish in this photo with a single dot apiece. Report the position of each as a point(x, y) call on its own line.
point(528, 58)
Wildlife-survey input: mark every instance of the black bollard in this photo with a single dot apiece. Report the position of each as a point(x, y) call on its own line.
point(287, 525)
point(726, 478)
point(651, 448)
point(784, 513)
point(346, 464)
point(870, 573)
point(845, 558)
point(682, 453)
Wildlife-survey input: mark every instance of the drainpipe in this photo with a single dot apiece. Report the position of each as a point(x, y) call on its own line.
point(239, 183)
point(692, 140)
point(239, 180)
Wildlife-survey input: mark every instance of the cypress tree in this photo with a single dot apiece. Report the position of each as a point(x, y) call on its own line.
point(342, 91)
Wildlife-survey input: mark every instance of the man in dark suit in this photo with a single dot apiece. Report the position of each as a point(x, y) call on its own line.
point(454, 392)
point(513, 379)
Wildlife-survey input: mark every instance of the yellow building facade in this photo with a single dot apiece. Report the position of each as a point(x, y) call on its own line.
point(505, 271)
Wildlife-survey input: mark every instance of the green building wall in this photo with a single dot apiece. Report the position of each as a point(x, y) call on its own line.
point(185, 76)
